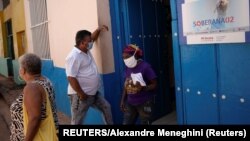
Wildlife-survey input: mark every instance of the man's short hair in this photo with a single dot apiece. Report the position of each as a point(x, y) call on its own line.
point(80, 35)
point(31, 63)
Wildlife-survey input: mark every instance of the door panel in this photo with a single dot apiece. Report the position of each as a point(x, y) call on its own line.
point(234, 79)
point(135, 22)
point(142, 29)
point(151, 51)
point(234, 110)
point(199, 75)
point(180, 110)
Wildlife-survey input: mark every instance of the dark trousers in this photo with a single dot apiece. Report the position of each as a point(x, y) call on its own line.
point(144, 111)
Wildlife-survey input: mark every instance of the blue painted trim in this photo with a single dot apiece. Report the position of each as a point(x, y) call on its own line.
point(59, 80)
point(113, 83)
point(117, 43)
point(180, 102)
point(217, 55)
point(58, 77)
point(180, 97)
point(247, 36)
point(182, 39)
point(173, 6)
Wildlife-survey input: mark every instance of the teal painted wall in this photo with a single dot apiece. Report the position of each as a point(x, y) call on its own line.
point(16, 73)
point(5, 67)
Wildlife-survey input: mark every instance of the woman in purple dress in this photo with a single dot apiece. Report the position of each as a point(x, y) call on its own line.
point(139, 87)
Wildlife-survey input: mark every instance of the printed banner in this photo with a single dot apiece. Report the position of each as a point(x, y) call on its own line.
point(214, 21)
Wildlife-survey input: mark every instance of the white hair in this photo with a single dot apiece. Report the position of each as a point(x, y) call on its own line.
point(31, 63)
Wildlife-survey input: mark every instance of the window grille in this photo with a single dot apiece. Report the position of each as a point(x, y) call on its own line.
point(39, 28)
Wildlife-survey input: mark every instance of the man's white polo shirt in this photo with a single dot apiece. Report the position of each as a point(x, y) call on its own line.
point(83, 67)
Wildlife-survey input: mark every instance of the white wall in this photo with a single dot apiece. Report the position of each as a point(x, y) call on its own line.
point(104, 45)
point(66, 17)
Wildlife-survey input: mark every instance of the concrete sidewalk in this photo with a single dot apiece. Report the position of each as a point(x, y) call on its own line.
point(6, 86)
point(9, 91)
point(4, 120)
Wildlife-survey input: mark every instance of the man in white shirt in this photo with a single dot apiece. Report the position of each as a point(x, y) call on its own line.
point(84, 79)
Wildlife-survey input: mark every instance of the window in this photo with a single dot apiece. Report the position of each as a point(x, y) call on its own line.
point(39, 28)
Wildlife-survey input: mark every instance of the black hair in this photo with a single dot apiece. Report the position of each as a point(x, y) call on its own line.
point(80, 35)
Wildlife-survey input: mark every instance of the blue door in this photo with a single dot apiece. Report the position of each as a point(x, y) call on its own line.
point(213, 80)
point(133, 22)
point(234, 79)
point(154, 47)
point(142, 27)
point(199, 77)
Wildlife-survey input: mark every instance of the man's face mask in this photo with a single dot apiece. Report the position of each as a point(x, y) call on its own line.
point(90, 45)
point(131, 62)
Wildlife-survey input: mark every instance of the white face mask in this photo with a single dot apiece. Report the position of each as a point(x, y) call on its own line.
point(130, 62)
point(90, 45)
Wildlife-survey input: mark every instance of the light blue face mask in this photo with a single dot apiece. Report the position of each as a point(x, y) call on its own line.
point(90, 45)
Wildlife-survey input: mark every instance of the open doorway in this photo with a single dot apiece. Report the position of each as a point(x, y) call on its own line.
point(147, 23)
point(10, 46)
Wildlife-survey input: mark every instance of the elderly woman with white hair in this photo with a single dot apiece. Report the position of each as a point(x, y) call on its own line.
point(33, 114)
